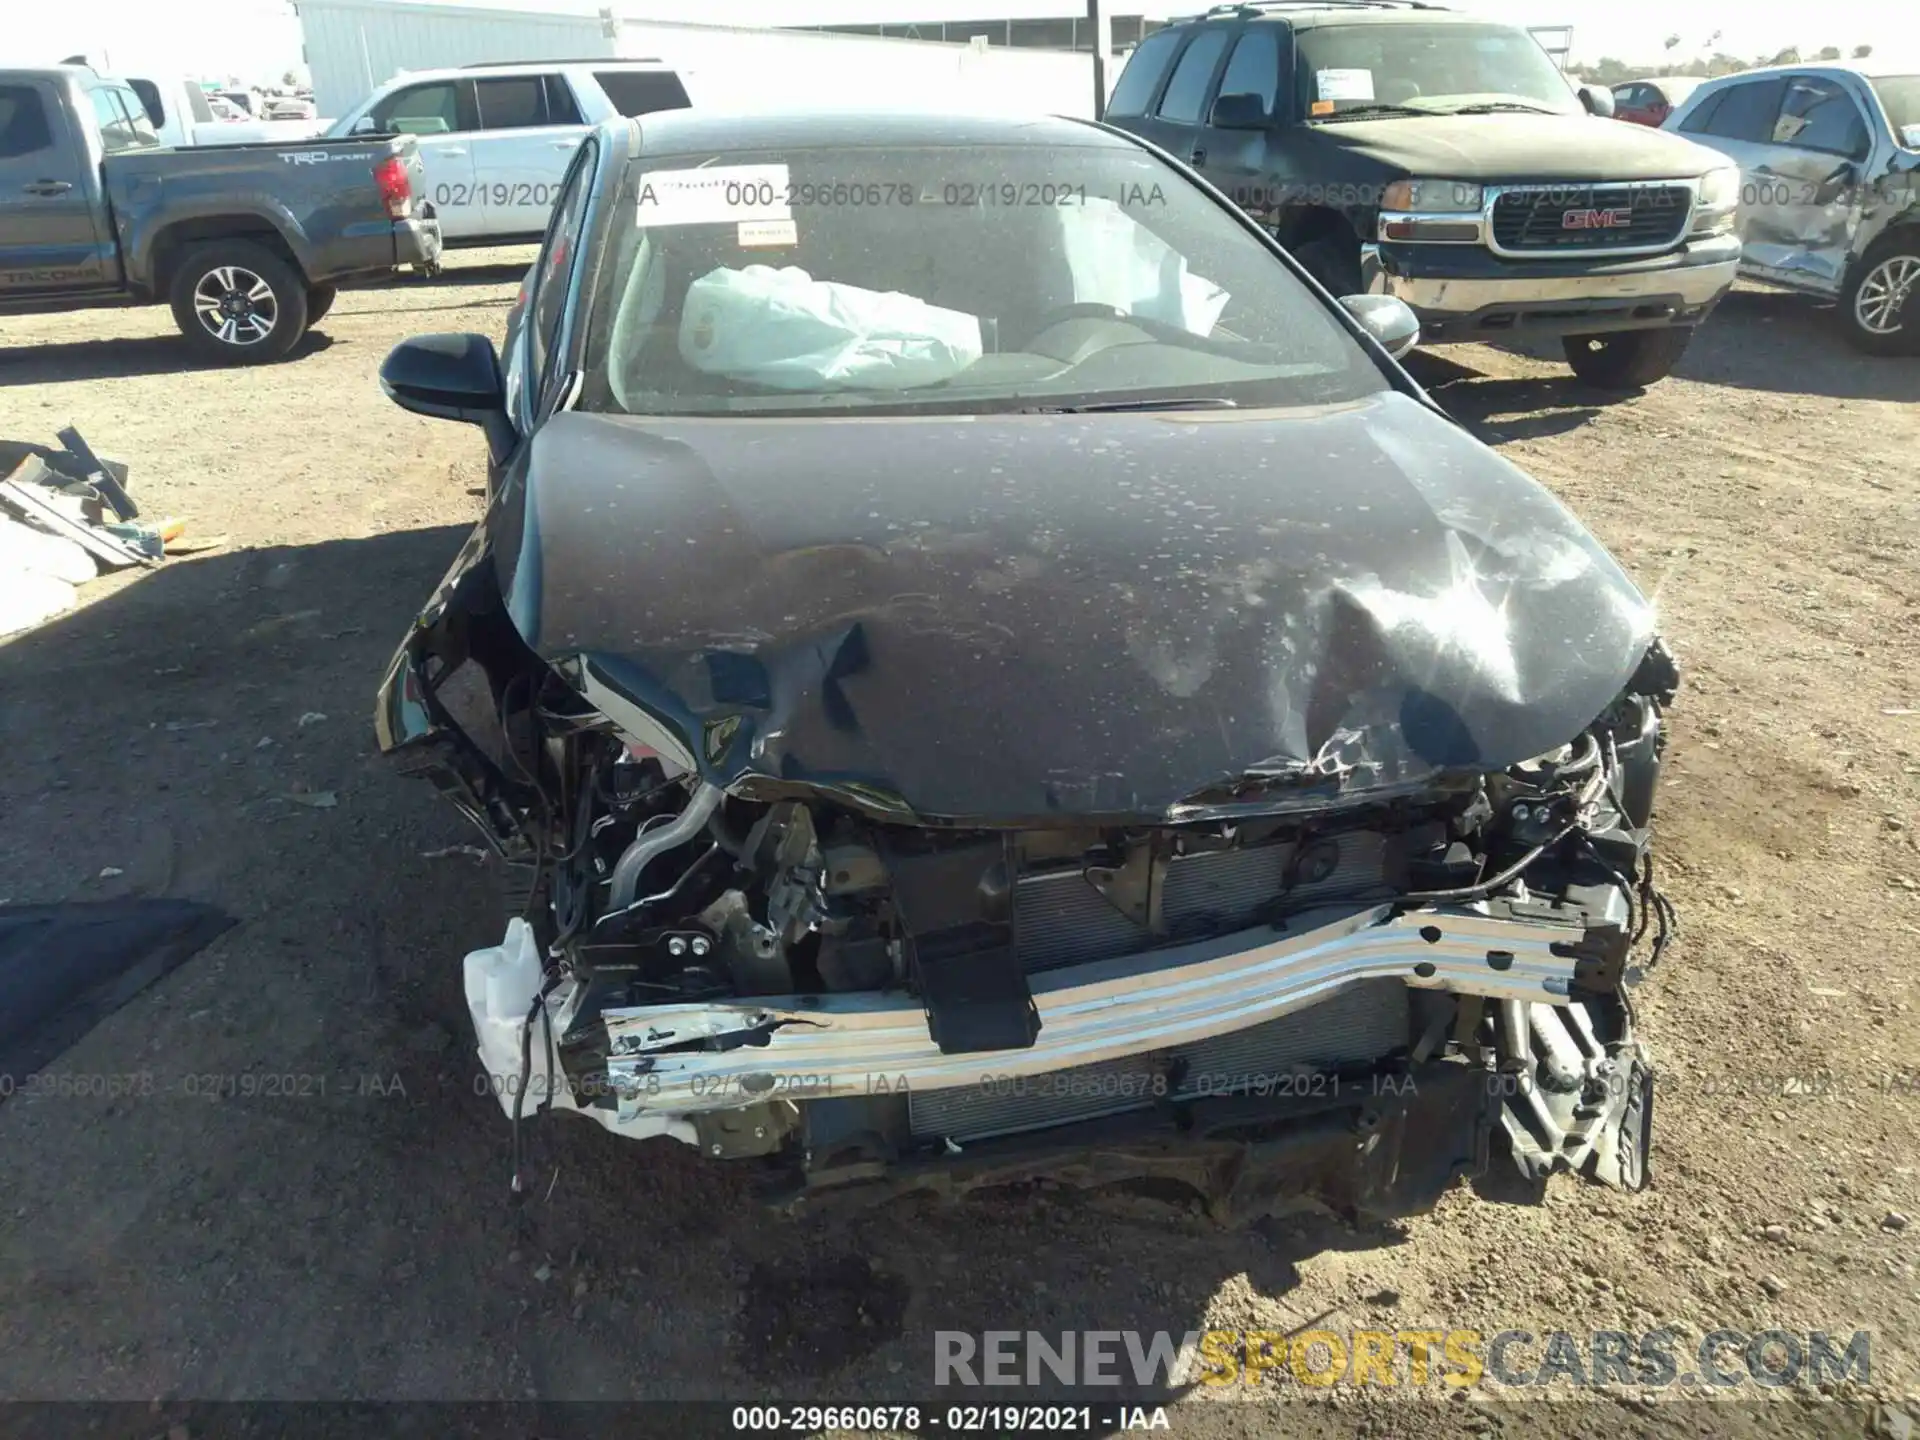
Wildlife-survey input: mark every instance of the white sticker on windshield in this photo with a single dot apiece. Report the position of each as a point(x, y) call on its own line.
point(755, 233)
point(713, 195)
point(1343, 84)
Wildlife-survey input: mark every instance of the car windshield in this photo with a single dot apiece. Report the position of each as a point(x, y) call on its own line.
point(947, 280)
point(1900, 94)
point(1357, 70)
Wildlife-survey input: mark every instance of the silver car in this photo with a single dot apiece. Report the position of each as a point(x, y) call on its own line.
point(1829, 202)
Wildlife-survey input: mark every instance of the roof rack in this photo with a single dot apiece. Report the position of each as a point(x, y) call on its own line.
point(563, 60)
point(1261, 7)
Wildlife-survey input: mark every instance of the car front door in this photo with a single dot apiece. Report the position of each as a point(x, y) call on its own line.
point(440, 114)
point(1814, 167)
point(530, 127)
point(48, 238)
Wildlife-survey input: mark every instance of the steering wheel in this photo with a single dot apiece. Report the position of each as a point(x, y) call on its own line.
point(1078, 310)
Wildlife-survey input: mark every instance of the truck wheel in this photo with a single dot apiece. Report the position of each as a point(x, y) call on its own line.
point(1334, 264)
point(1627, 359)
point(1880, 307)
point(319, 302)
point(238, 303)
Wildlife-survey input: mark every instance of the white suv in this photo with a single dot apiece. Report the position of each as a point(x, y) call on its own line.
point(495, 139)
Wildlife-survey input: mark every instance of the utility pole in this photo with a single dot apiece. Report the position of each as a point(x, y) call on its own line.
point(1098, 12)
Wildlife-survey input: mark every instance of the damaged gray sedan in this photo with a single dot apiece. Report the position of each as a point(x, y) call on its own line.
point(981, 670)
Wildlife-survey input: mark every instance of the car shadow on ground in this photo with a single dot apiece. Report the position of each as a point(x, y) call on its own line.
point(1761, 340)
point(1532, 408)
point(455, 271)
point(117, 359)
point(1793, 345)
point(170, 727)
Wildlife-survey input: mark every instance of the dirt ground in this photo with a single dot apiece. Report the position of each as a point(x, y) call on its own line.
point(353, 1240)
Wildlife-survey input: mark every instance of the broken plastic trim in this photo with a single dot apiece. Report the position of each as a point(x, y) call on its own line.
point(816, 1047)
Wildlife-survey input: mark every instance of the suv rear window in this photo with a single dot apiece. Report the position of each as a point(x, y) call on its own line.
point(1141, 78)
point(513, 102)
point(641, 92)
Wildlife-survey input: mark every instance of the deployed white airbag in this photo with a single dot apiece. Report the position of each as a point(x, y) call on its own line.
point(1117, 261)
point(784, 329)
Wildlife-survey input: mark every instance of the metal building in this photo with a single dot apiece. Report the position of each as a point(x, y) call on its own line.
point(742, 51)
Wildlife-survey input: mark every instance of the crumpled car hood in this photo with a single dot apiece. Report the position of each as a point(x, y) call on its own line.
point(1026, 619)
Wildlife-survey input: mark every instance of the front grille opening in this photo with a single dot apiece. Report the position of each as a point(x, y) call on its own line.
point(1558, 219)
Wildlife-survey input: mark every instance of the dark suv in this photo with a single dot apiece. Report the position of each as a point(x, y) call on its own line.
point(1404, 149)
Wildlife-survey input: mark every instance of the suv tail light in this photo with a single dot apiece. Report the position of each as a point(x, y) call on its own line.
point(396, 188)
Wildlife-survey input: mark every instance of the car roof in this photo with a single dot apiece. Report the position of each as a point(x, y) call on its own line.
point(1308, 16)
point(55, 72)
point(487, 70)
point(1817, 67)
point(671, 132)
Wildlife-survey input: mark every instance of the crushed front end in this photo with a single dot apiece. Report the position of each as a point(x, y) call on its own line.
point(1308, 994)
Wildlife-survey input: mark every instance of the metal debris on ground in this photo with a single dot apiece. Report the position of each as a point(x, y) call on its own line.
point(313, 799)
point(473, 852)
point(65, 515)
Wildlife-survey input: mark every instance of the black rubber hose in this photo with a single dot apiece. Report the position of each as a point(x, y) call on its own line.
point(1486, 887)
point(734, 844)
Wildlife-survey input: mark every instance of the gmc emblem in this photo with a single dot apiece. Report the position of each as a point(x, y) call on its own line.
point(1618, 218)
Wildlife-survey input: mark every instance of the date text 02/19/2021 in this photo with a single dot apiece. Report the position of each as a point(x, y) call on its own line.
point(950, 1419)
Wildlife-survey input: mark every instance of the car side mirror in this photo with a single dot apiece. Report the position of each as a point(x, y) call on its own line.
point(1598, 100)
point(1387, 318)
point(451, 377)
point(1240, 111)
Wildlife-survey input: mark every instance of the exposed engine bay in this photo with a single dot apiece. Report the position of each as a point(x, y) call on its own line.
point(1356, 999)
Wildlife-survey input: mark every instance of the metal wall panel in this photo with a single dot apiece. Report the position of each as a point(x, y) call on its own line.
point(352, 47)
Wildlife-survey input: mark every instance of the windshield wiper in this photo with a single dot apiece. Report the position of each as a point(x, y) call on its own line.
point(1098, 407)
point(1491, 107)
point(1366, 112)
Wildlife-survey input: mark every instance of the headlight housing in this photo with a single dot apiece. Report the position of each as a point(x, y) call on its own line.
point(1433, 197)
point(1713, 212)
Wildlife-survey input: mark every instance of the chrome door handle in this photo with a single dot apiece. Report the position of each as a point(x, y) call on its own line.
point(47, 187)
point(566, 144)
point(448, 150)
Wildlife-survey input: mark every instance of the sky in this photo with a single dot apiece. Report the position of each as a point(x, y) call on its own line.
point(257, 40)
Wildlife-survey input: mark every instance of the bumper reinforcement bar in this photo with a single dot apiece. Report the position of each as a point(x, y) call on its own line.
point(683, 1059)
